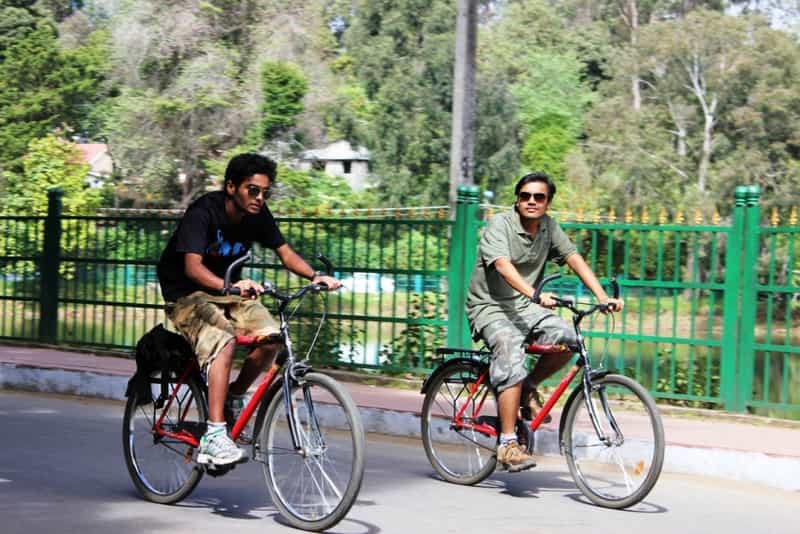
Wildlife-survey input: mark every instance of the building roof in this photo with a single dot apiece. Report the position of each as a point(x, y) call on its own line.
point(336, 151)
point(93, 151)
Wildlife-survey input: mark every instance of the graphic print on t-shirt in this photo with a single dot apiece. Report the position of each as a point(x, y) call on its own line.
point(221, 247)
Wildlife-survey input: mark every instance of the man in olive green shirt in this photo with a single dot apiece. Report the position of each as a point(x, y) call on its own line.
point(511, 258)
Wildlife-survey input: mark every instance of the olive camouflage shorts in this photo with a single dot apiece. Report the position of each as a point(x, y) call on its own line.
point(209, 322)
point(505, 339)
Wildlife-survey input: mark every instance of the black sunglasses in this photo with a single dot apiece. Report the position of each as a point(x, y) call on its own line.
point(538, 197)
point(253, 191)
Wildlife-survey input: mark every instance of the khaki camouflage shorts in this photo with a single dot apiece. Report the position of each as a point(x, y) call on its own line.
point(506, 338)
point(209, 322)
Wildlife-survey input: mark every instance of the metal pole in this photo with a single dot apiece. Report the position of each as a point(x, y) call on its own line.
point(48, 268)
point(749, 307)
point(463, 134)
point(730, 303)
point(462, 259)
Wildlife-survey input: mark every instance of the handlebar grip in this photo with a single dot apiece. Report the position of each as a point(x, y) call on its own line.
point(237, 291)
point(615, 288)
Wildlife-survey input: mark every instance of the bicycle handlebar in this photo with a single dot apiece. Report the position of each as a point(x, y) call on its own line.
point(569, 303)
point(269, 288)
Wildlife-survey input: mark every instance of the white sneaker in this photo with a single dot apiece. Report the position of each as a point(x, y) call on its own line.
point(216, 448)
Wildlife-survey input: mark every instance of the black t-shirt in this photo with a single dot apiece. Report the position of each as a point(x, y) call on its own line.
point(205, 230)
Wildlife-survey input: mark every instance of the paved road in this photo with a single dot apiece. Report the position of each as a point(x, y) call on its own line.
point(61, 470)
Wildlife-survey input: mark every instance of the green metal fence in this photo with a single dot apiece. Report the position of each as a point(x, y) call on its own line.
point(710, 318)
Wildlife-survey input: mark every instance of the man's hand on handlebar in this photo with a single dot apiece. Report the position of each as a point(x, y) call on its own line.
point(329, 281)
point(249, 288)
point(614, 305)
point(546, 300)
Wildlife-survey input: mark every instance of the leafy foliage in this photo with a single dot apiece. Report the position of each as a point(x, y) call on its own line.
point(43, 87)
point(283, 87)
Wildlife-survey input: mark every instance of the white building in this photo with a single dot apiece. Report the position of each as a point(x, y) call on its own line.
point(339, 159)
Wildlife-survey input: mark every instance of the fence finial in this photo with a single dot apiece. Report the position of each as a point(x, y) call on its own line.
point(679, 219)
point(628, 215)
point(662, 216)
point(645, 216)
point(579, 215)
point(716, 217)
point(698, 216)
point(774, 217)
point(793, 216)
point(612, 215)
point(596, 217)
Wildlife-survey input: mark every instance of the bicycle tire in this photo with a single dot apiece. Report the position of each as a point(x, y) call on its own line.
point(313, 489)
point(163, 470)
point(466, 456)
point(621, 473)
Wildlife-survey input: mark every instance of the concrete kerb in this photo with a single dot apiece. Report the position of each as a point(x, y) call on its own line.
point(781, 472)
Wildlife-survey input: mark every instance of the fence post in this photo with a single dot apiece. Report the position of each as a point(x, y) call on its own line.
point(48, 268)
point(731, 302)
point(749, 303)
point(463, 244)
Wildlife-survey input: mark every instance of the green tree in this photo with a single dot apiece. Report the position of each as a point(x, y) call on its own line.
point(284, 87)
point(43, 87)
point(719, 109)
point(18, 18)
point(51, 162)
point(403, 56)
point(532, 94)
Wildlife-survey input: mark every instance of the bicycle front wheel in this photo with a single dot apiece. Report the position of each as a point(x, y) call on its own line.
point(452, 416)
point(162, 468)
point(314, 484)
point(618, 467)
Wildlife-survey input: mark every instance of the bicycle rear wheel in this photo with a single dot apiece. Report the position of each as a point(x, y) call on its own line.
point(315, 486)
point(619, 471)
point(162, 468)
point(460, 453)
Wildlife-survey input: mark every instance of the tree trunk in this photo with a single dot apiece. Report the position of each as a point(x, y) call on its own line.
point(709, 108)
point(633, 14)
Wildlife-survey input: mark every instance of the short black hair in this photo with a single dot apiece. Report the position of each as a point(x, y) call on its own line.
point(537, 177)
point(246, 165)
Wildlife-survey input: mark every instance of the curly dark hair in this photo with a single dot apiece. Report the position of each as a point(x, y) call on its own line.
point(243, 166)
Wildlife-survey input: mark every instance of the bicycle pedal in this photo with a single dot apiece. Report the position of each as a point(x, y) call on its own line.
point(244, 439)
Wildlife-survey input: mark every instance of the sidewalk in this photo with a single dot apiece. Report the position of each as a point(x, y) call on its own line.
point(701, 442)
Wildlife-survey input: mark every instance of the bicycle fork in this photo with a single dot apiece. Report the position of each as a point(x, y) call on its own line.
point(590, 407)
point(303, 446)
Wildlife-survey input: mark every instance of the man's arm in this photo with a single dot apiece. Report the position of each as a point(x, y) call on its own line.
point(199, 273)
point(511, 275)
point(295, 263)
point(587, 276)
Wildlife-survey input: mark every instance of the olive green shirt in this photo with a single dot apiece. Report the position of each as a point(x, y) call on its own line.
point(489, 296)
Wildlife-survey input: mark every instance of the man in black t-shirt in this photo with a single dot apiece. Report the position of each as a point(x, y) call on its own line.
point(217, 229)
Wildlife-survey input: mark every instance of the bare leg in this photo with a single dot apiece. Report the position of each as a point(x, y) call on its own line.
point(219, 374)
point(546, 366)
point(508, 406)
point(253, 365)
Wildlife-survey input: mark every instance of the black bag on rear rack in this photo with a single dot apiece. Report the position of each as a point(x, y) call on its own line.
point(159, 350)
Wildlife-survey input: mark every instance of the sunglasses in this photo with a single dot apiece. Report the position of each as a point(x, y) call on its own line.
point(253, 191)
point(538, 197)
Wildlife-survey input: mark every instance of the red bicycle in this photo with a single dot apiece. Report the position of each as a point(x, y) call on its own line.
point(611, 467)
point(307, 435)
